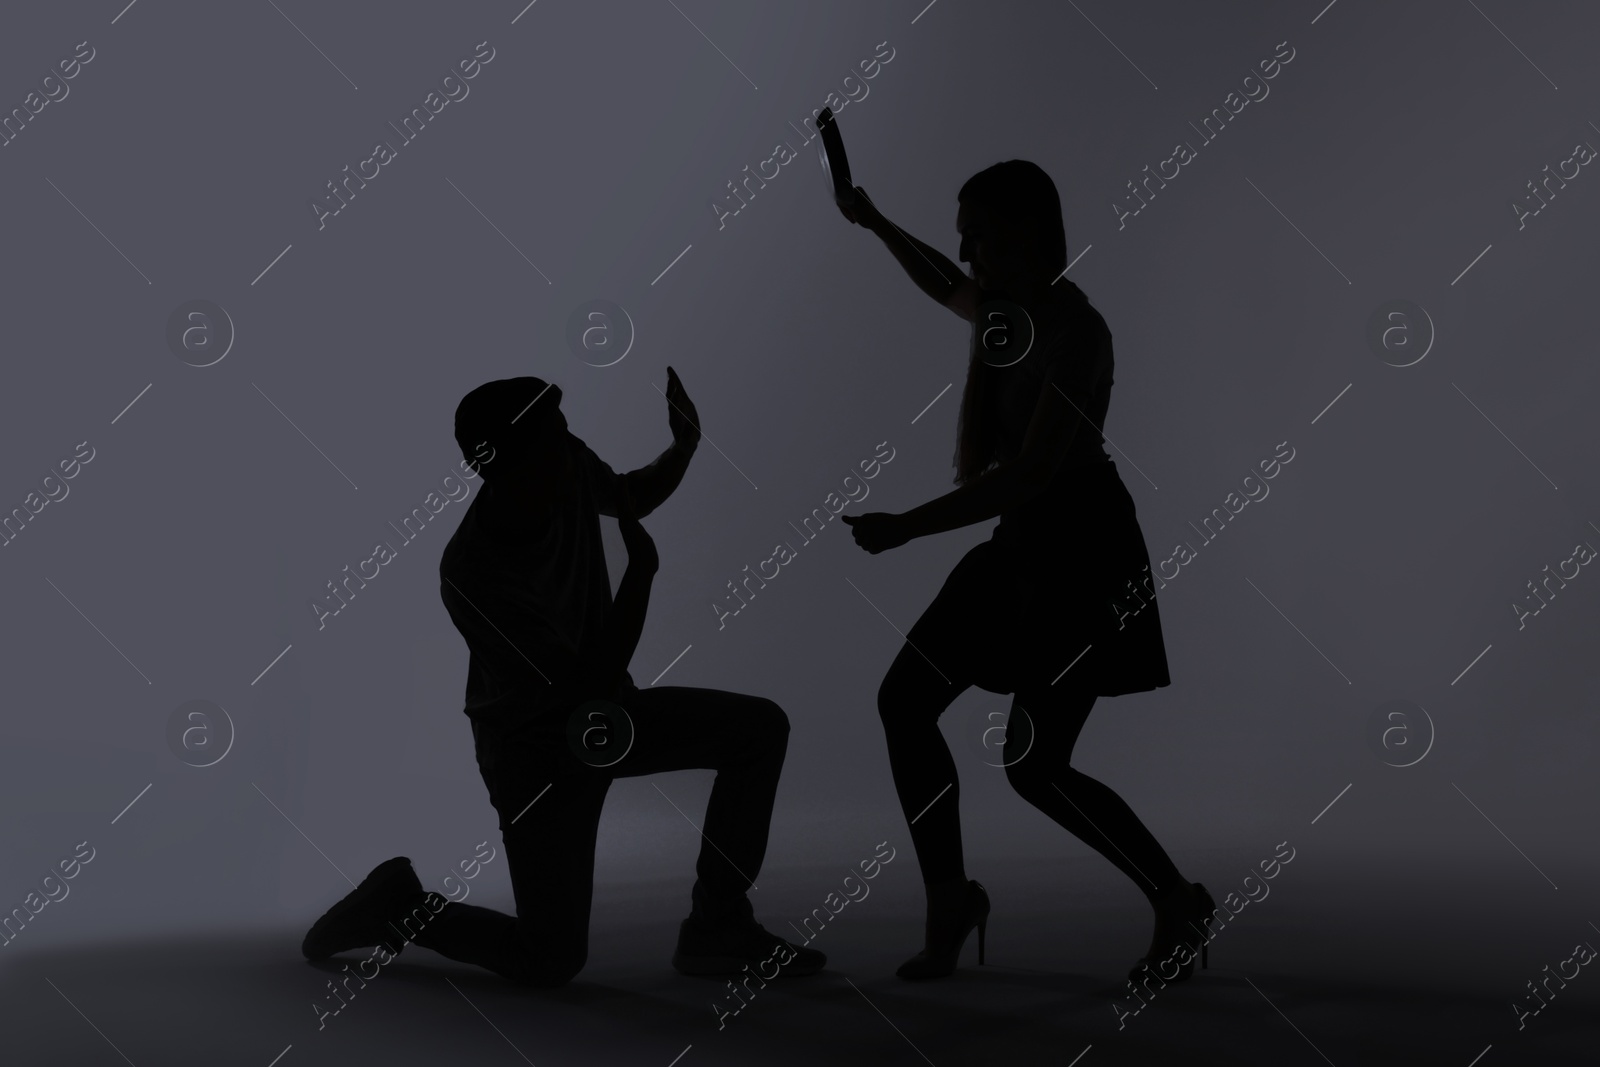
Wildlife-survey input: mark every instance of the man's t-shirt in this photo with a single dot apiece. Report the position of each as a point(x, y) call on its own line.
point(527, 603)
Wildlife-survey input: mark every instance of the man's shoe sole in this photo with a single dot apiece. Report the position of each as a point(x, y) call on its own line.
point(718, 966)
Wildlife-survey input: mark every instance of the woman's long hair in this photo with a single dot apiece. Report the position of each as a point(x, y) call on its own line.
point(1021, 198)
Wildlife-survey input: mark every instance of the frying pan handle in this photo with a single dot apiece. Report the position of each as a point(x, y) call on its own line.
point(844, 192)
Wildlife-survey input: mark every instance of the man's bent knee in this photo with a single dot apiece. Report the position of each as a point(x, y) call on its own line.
point(767, 716)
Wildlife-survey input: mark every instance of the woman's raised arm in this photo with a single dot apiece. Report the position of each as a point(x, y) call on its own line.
point(932, 271)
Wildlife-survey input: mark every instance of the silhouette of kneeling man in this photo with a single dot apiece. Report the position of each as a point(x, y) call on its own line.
point(524, 580)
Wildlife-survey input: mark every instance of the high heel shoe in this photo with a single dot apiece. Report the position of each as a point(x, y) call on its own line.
point(945, 932)
point(1182, 923)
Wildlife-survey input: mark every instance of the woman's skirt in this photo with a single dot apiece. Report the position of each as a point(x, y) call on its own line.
point(1062, 593)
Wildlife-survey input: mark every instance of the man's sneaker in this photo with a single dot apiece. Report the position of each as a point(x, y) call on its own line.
point(362, 919)
point(706, 948)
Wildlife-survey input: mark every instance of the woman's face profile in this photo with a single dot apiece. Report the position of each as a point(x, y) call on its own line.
point(996, 257)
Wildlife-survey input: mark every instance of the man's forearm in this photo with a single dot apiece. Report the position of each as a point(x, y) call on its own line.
point(604, 663)
point(653, 483)
point(930, 269)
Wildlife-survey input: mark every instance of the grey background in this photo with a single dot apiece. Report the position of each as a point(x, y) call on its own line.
point(1384, 560)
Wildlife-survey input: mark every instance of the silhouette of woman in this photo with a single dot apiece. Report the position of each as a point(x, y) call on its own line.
point(1057, 606)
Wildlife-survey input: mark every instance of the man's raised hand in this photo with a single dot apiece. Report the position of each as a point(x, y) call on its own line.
point(682, 418)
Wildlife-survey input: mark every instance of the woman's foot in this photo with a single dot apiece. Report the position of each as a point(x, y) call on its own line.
point(1182, 914)
point(954, 908)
